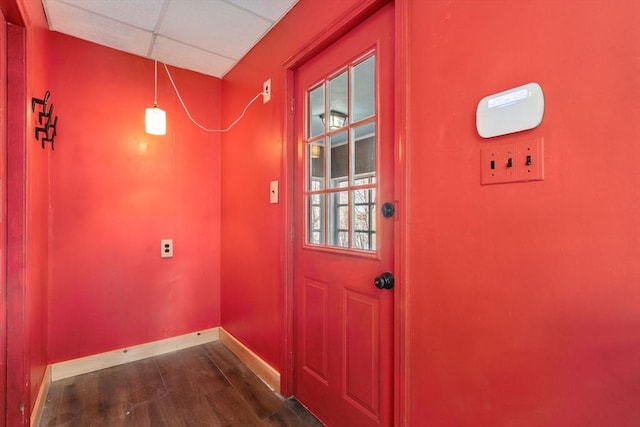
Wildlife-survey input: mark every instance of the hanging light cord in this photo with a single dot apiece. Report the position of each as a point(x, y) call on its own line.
point(155, 85)
point(186, 110)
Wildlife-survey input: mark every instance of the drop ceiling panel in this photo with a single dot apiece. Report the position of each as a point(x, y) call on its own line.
point(214, 26)
point(142, 14)
point(191, 58)
point(98, 29)
point(208, 36)
point(271, 9)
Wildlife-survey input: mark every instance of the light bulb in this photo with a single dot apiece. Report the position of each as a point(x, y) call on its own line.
point(155, 121)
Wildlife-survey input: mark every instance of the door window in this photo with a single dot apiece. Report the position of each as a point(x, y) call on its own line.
point(340, 159)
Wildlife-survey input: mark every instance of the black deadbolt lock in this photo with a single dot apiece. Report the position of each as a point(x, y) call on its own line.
point(388, 210)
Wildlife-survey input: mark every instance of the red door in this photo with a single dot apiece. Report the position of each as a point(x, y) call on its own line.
point(343, 323)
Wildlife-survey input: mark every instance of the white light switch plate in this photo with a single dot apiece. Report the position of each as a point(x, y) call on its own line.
point(273, 192)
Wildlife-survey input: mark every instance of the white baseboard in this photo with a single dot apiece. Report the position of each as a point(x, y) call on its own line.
point(38, 406)
point(83, 365)
point(96, 362)
point(262, 369)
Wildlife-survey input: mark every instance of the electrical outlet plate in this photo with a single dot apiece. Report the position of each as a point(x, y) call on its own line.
point(266, 92)
point(516, 162)
point(166, 248)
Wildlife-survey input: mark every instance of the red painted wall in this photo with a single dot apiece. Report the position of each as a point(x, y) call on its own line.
point(116, 192)
point(3, 220)
point(18, 367)
point(252, 228)
point(85, 222)
point(523, 299)
point(27, 217)
point(11, 11)
point(524, 305)
point(37, 218)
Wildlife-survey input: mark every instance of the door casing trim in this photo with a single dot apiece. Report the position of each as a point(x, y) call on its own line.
point(346, 22)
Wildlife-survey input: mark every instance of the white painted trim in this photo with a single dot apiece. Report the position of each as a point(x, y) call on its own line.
point(38, 406)
point(96, 362)
point(262, 369)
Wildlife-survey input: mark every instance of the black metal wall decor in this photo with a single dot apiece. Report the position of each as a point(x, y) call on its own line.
point(47, 124)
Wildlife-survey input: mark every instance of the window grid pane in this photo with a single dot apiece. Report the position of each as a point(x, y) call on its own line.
point(316, 219)
point(363, 89)
point(338, 168)
point(315, 104)
point(339, 219)
point(341, 161)
point(316, 165)
point(364, 212)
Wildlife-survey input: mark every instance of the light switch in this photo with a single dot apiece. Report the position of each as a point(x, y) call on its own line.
point(273, 192)
point(516, 162)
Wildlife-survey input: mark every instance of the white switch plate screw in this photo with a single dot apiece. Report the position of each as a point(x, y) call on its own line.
point(266, 91)
point(166, 248)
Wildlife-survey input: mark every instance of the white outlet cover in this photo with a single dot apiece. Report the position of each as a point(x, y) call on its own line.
point(166, 248)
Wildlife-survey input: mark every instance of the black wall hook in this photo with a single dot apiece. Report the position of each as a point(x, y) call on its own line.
point(51, 133)
point(45, 114)
point(48, 128)
point(42, 101)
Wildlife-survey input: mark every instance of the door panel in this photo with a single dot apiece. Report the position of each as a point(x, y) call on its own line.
point(316, 317)
point(361, 361)
point(343, 324)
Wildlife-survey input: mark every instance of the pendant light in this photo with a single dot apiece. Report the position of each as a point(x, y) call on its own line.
point(337, 119)
point(155, 118)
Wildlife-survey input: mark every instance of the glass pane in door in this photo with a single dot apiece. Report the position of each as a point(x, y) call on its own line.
point(341, 159)
point(363, 156)
point(364, 219)
point(337, 116)
point(339, 219)
point(338, 159)
point(315, 208)
point(315, 110)
point(363, 89)
point(316, 160)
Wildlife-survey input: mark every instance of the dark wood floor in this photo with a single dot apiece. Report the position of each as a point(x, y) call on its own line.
point(200, 386)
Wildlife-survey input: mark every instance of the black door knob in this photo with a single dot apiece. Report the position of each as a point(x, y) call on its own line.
point(384, 281)
point(388, 210)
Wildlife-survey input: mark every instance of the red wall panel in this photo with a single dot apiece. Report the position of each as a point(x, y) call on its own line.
point(17, 343)
point(11, 12)
point(252, 228)
point(116, 192)
point(27, 217)
point(3, 218)
point(523, 304)
point(37, 218)
point(524, 298)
